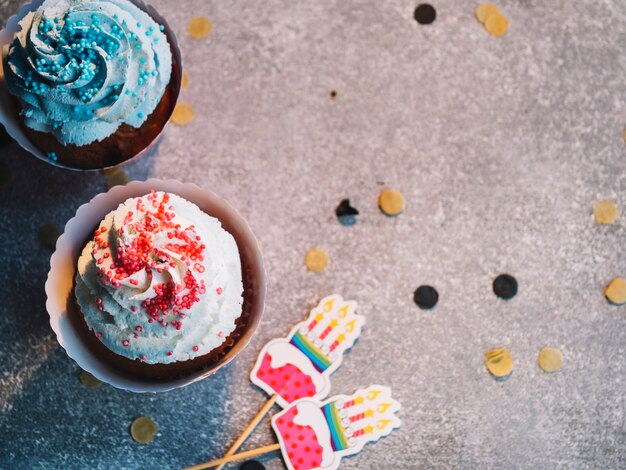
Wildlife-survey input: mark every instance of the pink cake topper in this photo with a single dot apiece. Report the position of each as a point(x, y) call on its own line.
point(316, 435)
point(299, 365)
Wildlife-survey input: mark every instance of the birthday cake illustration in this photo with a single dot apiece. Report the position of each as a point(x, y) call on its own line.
point(299, 366)
point(316, 435)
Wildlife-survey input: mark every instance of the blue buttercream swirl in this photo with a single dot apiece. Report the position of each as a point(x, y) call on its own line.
point(83, 68)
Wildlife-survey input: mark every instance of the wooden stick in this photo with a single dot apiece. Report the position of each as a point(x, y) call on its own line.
point(239, 456)
point(253, 424)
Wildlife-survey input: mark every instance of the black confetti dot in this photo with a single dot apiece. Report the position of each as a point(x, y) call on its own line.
point(333, 95)
point(425, 297)
point(505, 286)
point(346, 213)
point(344, 208)
point(252, 465)
point(425, 13)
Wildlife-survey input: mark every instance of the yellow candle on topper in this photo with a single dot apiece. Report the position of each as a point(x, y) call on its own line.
point(331, 325)
point(366, 430)
point(340, 337)
point(366, 414)
point(318, 318)
point(357, 401)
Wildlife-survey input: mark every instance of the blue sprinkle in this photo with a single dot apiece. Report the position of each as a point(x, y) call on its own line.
point(161, 27)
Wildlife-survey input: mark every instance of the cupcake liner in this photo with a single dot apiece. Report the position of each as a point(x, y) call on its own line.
point(9, 118)
point(59, 285)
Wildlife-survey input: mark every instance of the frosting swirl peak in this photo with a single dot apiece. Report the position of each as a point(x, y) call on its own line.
point(82, 68)
point(160, 281)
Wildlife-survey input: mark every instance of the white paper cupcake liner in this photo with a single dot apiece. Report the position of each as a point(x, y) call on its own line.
point(8, 113)
point(59, 285)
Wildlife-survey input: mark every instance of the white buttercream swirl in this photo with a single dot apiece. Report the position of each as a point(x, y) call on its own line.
point(161, 281)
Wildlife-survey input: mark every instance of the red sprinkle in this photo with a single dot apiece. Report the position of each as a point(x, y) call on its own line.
point(219, 291)
point(195, 348)
point(138, 253)
point(125, 342)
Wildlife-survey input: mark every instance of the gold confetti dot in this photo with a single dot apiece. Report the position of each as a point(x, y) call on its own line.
point(117, 178)
point(499, 362)
point(185, 80)
point(605, 212)
point(48, 234)
point(316, 260)
point(496, 24)
point(550, 359)
point(199, 27)
point(89, 380)
point(143, 430)
point(615, 292)
point(484, 10)
point(6, 176)
point(183, 114)
point(391, 202)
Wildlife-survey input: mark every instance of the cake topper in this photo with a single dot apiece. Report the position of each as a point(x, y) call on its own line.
point(299, 366)
point(316, 435)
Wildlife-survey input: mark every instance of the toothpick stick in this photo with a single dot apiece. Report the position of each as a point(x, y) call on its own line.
point(239, 456)
point(253, 424)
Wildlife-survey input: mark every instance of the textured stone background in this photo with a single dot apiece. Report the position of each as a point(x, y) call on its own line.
point(501, 146)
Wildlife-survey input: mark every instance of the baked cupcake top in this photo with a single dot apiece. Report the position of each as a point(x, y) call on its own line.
point(82, 68)
point(160, 281)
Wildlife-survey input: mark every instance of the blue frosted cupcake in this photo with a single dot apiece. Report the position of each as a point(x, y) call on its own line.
point(94, 82)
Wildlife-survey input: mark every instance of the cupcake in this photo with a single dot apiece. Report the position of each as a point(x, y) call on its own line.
point(159, 287)
point(92, 83)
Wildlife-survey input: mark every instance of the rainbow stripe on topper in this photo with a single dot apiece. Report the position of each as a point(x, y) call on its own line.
point(341, 426)
point(319, 360)
point(337, 435)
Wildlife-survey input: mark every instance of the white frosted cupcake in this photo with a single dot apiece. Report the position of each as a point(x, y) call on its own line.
point(160, 283)
point(160, 288)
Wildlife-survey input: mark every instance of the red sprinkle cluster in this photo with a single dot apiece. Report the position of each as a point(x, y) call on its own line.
point(140, 254)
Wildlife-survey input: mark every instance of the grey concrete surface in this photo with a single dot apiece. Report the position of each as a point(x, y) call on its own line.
point(500, 145)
